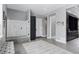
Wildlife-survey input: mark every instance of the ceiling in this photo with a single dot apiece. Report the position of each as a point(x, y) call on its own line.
point(74, 11)
point(37, 9)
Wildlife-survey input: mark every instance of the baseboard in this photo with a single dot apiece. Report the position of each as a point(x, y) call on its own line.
point(63, 42)
point(51, 37)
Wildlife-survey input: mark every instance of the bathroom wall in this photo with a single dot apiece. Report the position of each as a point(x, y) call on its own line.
point(61, 25)
point(0, 20)
point(0, 26)
point(44, 27)
point(40, 27)
point(56, 25)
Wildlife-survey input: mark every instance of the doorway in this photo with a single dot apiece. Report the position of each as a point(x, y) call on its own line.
point(72, 27)
point(33, 28)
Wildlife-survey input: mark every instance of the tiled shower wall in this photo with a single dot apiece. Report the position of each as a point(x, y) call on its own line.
point(18, 24)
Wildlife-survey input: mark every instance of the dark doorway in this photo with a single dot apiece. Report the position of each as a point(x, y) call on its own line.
point(33, 27)
point(72, 27)
point(73, 23)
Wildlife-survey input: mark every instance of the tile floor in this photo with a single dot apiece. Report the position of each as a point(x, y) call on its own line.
point(73, 46)
point(19, 49)
point(39, 47)
point(43, 47)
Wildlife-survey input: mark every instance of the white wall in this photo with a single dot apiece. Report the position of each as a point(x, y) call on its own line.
point(60, 27)
point(40, 27)
point(0, 25)
point(60, 30)
point(0, 20)
point(44, 27)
